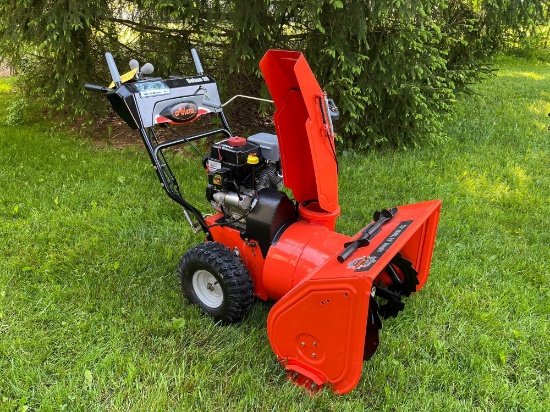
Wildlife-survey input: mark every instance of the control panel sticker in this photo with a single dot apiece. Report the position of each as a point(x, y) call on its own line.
point(154, 88)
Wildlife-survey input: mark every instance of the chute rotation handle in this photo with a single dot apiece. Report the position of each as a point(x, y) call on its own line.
point(368, 233)
point(348, 251)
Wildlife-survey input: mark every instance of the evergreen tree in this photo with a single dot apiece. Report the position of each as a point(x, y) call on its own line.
point(393, 66)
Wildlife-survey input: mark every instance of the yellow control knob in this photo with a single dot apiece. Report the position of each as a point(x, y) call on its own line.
point(253, 160)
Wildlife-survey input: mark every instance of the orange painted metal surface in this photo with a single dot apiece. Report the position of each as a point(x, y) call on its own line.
point(317, 329)
point(302, 248)
point(307, 150)
point(249, 252)
point(311, 212)
point(318, 325)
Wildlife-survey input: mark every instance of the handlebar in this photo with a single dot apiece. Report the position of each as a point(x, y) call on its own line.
point(113, 69)
point(96, 88)
point(197, 61)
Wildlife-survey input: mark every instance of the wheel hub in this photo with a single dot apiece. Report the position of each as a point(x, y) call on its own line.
point(207, 288)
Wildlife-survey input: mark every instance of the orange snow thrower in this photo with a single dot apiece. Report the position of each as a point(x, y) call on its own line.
point(331, 290)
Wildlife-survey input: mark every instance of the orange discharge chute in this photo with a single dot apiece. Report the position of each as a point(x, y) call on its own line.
point(304, 129)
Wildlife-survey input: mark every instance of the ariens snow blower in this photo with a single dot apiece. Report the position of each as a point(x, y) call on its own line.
point(331, 290)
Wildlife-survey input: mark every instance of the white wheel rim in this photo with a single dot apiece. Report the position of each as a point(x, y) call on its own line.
point(207, 288)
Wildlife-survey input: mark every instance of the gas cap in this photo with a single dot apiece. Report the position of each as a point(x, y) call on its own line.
point(236, 141)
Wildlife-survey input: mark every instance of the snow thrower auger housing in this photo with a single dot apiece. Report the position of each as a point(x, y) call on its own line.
point(331, 290)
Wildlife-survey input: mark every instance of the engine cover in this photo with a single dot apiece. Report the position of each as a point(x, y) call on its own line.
point(227, 165)
point(272, 214)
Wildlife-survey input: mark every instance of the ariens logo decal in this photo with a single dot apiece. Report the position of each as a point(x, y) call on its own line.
point(181, 112)
point(184, 111)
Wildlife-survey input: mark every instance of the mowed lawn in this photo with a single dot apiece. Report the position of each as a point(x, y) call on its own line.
point(92, 319)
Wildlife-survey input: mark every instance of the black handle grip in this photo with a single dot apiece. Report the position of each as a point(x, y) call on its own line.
point(96, 88)
point(368, 233)
point(348, 251)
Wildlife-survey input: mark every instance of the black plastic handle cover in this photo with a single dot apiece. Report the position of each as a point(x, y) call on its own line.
point(348, 251)
point(96, 88)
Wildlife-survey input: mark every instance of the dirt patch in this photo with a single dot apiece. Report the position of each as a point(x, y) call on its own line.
point(5, 72)
point(111, 131)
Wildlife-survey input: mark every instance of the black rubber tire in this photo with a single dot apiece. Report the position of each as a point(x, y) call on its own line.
point(230, 301)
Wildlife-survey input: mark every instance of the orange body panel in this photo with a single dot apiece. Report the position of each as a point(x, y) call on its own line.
point(318, 325)
point(302, 248)
point(318, 330)
point(249, 252)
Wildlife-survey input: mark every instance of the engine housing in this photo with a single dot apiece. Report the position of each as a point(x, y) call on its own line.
point(237, 170)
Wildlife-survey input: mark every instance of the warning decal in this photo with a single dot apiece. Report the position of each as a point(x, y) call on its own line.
point(365, 263)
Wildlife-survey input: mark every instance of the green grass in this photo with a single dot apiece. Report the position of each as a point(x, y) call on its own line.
point(91, 316)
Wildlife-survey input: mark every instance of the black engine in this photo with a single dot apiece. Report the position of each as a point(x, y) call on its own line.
point(238, 169)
